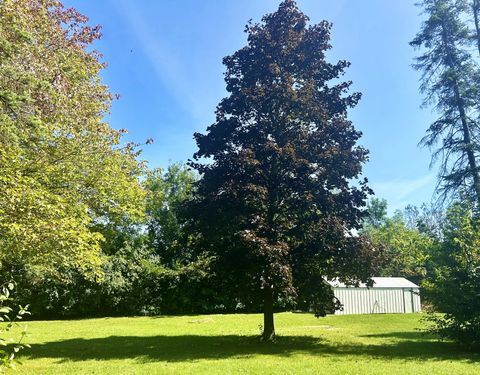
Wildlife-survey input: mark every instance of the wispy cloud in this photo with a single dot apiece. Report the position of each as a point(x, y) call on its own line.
point(399, 191)
point(163, 57)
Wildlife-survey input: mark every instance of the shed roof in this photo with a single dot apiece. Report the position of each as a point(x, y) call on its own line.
point(379, 282)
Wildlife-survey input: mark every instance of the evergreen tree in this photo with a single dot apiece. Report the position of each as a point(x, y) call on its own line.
point(450, 81)
point(275, 205)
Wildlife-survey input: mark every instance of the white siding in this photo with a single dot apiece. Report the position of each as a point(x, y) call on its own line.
point(408, 300)
point(377, 300)
point(417, 306)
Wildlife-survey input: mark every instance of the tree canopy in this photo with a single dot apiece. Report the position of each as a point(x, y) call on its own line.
point(62, 167)
point(167, 191)
point(407, 248)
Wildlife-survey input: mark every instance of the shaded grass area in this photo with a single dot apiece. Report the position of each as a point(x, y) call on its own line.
point(368, 344)
point(191, 347)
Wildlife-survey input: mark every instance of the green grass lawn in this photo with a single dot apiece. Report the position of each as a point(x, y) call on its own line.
point(229, 344)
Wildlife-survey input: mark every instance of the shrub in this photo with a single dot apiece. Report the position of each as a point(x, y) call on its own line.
point(10, 345)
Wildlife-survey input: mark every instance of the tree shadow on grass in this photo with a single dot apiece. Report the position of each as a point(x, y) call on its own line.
point(409, 335)
point(193, 347)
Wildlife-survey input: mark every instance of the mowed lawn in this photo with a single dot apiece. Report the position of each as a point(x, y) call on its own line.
point(229, 344)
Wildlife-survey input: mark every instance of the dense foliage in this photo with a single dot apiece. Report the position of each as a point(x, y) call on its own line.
point(406, 238)
point(454, 285)
point(166, 193)
point(440, 252)
point(62, 168)
point(147, 268)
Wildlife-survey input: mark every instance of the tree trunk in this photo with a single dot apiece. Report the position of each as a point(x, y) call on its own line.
point(268, 324)
point(476, 9)
point(469, 149)
point(467, 140)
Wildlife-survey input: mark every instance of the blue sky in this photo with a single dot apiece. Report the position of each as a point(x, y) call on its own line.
point(165, 61)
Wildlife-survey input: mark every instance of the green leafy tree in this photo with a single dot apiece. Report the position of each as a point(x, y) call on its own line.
point(376, 212)
point(450, 81)
point(454, 285)
point(183, 279)
point(427, 219)
point(274, 206)
point(63, 170)
point(406, 249)
point(167, 191)
point(407, 238)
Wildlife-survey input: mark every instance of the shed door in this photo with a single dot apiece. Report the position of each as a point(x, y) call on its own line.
point(408, 300)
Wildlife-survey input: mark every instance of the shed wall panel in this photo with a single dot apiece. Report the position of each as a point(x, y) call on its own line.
point(377, 300)
point(417, 306)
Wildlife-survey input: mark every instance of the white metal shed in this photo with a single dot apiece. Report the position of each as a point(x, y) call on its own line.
point(388, 295)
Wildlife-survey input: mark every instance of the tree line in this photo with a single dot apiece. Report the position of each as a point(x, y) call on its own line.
point(273, 201)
